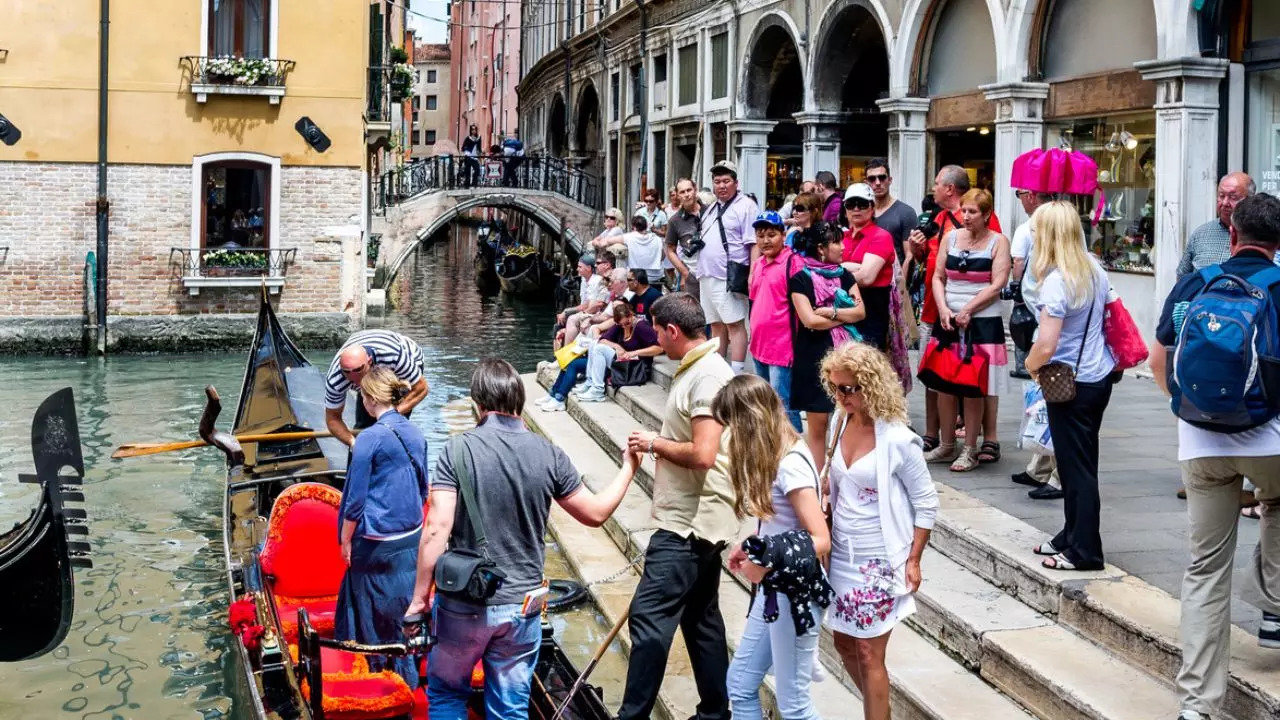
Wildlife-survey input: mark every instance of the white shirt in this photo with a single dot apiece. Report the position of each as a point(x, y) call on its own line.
point(1262, 441)
point(644, 251)
point(795, 472)
point(593, 288)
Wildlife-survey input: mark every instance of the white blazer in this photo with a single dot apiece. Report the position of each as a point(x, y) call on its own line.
point(908, 498)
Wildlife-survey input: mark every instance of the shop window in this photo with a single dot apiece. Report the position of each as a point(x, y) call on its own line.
point(1264, 129)
point(236, 204)
point(719, 66)
point(1124, 148)
point(433, 102)
point(239, 28)
point(687, 64)
point(431, 76)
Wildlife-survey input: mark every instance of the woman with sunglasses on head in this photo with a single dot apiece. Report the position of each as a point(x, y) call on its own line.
point(802, 216)
point(775, 481)
point(966, 287)
point(826, 303)
point(883, 505)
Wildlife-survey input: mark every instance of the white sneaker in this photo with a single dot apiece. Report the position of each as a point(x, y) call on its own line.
point(553, 406)
point(1192, 715)
point(542, 402)
point(593, 395)
point(582, 389)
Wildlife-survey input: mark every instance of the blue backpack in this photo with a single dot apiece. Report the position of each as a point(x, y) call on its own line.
point(1228, 344)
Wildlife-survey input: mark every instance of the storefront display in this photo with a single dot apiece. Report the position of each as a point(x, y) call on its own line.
point(783, 176)
point(1123, 146)
point(1263, 140)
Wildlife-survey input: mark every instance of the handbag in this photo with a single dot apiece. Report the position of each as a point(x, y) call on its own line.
point(736, 274)
point(1057, 380)
point(462, 573)
point(628, 373)
point(1022, 327)
point(954, 369)
point(1122, 334)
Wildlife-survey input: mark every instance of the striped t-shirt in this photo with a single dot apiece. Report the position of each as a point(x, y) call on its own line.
point(390, 348)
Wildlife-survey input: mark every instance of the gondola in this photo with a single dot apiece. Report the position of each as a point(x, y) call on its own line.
point(486, 258)
point(521, 271)
point(37, 556)
point(284, 566)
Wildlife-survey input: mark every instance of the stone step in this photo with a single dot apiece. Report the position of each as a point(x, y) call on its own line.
point(601, 552)
point(926, 681)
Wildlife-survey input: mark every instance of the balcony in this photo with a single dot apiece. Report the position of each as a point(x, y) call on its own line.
point(378, 111)
point(237, 76)
point(231, 267)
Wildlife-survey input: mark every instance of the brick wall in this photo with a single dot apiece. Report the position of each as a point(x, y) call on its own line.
point(47, 220)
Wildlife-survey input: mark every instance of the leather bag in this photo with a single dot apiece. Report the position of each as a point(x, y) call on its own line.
point(1057, 380)
point(462, 573)
point(736, 274)
point(628, 373)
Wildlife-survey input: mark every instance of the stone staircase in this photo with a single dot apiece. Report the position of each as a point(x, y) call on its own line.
point(995, 636)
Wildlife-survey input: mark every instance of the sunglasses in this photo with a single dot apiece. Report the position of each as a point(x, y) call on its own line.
point(1022, 193)
point(844, 390)
point(799, 208)
point(857, 204)
point(877, 178)
point(964, 260)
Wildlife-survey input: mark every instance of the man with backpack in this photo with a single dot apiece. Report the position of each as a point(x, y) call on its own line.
point(1220, 327)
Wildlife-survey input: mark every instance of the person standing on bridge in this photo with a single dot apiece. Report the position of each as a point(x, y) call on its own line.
point(471, 146)
point(360, 353)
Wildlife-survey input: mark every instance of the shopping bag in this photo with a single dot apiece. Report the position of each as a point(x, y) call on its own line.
point(954, 369)
point(569, 353)
point(1122, 334)
point(1034, 434)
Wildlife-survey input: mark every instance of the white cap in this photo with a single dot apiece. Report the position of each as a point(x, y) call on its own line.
point(861, 191)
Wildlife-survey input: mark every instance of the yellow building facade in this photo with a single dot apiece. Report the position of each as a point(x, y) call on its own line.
point(215, 189)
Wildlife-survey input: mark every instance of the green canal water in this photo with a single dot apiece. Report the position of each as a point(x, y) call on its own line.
point(149, 636)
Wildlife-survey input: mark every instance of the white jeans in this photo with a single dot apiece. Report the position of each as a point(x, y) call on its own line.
point(599, 358)
point(775, 645)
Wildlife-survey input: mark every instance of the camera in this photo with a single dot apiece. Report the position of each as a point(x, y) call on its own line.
point(417, 632)
point(694, 247)
point(926, 225)
point(1012, 291)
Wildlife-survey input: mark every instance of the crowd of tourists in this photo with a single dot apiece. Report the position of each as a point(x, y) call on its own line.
point(813, 442)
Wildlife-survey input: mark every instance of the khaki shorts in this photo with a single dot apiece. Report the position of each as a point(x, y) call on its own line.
point(720, 305)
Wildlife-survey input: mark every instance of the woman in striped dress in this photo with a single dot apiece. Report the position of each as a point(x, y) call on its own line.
point(967, 290)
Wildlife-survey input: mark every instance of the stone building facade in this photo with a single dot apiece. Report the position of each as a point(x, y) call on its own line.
point(484, 44)
point(431, 105)
point(1166, 95)
point(214, 196)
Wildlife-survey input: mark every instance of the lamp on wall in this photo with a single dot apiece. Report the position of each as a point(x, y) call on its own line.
point(1128, 140)
point(9, 133)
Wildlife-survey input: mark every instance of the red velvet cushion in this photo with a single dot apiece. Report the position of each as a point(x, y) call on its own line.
point(352, 692)
point(302, 551)
point(320, 611)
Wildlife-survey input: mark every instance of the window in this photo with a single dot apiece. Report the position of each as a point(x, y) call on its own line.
point(720, 66)
point(239, 28)
point(660, 68)
point(614, 92)
point(431, 76)
point(687, 60)
point(432, 102)
point(237, 205)
point(430, 137)
point(637, 88)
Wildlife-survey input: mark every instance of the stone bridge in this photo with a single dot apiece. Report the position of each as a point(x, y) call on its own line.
point(417, 218)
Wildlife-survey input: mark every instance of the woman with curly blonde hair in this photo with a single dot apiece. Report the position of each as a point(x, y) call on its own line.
point(883, 505)
point(774, 480)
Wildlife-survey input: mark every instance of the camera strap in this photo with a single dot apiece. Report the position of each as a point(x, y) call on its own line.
point(468, 490)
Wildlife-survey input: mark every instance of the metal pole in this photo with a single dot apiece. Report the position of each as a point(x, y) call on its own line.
point(103, 205)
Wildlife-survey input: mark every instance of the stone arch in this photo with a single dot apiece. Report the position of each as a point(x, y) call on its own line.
point(865, 26)
point(915, 34)
point(526, 204)
point(557, 141)
point(586, 128)
point(773, 73)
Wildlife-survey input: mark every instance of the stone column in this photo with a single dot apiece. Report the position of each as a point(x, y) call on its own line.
point(752, 152)
point(1186, 155)
point(821, 149)
point(908, 156)
point(1019, 128)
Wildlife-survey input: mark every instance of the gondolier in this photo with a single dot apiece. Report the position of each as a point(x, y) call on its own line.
point(359, 353)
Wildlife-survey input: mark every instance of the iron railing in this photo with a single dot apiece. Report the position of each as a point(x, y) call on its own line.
point(244, 72)
point(457, 172)
point(379, 108)
point(230, 262)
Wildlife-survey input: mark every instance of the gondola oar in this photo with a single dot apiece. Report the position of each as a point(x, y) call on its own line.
point(595, 660)
point(136, 449)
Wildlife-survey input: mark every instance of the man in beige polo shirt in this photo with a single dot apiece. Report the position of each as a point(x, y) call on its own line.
point(693, 513)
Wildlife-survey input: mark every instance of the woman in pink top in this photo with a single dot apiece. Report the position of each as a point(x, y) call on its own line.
point(771, 308)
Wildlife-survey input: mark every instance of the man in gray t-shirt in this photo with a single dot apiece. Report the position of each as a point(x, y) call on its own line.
point(516, 474)
point(893, 215)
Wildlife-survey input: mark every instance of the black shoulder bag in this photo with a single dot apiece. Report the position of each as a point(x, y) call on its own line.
point(736, 274)
point(462, 573)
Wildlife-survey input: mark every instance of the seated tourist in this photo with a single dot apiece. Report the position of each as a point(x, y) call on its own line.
point(594, 324)
point(592, 293)
point(642, 294)
point(631, 339)
point(612, 233)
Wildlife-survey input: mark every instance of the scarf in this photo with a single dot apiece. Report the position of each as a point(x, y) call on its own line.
point(827, 292)
point(896, 342)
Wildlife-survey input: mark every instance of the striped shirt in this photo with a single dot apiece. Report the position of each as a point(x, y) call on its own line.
point(391, 349)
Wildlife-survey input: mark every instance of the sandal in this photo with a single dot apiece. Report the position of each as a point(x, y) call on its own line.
point(942, 454)
point(1045, 548)
point(967, 461)
point(930, 442)
point(1254, 512)
point(1059, 562)
point(989, 452)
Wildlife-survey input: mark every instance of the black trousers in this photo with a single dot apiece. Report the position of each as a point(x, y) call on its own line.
point(680, 587)
point(1074, 427)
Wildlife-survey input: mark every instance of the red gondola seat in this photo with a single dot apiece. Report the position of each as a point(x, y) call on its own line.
point(301, 559)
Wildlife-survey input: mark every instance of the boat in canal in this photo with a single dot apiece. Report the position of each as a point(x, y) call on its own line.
point(521, 271)
point(488, 249)
point(284, 566)
point(38, 555)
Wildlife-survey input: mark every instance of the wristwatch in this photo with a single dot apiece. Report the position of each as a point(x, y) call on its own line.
point(653, 454)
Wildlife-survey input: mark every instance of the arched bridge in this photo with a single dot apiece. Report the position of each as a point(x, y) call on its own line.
point(422, 199)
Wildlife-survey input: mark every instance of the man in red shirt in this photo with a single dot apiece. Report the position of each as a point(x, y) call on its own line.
point(950, 184)
point(869, 255)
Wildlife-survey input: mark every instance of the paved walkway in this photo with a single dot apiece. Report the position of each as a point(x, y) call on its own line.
point(1144, 525)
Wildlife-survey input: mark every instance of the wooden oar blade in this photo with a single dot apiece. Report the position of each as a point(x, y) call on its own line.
point(140, 449)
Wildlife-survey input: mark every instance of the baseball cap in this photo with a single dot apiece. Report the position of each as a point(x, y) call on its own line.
point(768, 218)
point(725, 167)
point(859, 191)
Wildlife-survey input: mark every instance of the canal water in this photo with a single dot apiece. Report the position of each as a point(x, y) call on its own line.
point(149, 637)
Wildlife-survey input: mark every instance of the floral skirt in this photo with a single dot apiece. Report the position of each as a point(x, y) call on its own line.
point(869, 598)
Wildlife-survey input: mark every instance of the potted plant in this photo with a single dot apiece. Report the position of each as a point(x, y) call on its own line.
point(239, 71)
point(403, 77)
point(229, 261)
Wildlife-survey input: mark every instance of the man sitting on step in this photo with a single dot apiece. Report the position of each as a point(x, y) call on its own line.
point(693, 512)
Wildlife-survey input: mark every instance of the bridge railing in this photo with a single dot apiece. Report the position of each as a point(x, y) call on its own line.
point(457, 172)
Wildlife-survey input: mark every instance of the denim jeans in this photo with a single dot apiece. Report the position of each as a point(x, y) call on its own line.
point(773, 644)
point(779, 377)
point(599, 358)
point(498, 635)
point(568, 376)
